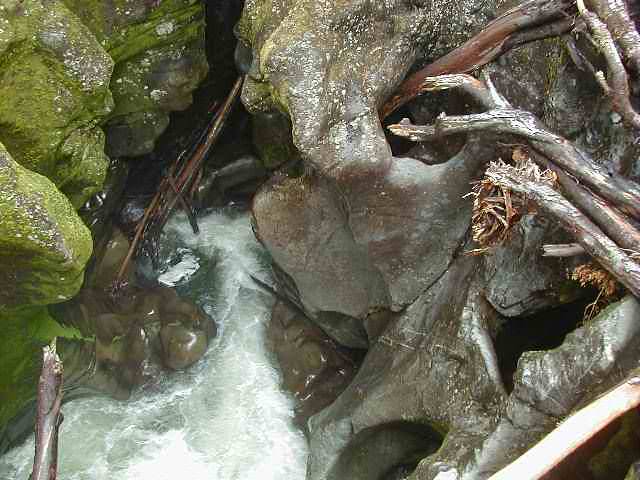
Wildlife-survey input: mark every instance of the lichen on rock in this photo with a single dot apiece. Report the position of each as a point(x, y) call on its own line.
point(54, 85)
point(159, 55)
point(44, 245)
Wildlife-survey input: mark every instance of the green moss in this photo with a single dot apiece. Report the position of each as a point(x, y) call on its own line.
point(29, 329)
point(44, 245)
point(54, 80)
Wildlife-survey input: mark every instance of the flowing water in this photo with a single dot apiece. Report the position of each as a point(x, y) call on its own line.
point(225, 418)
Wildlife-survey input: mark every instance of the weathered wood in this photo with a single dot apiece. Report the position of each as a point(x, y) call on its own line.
point(494, 40)
point(595, 242)
point(186, 205)
point(574, 432)
point(616, 225)
point(189, 173)
point(618, 190)
point(618, 80)
point(616, 15)
point(48, 416)
point(178, 181)
point(562, 250)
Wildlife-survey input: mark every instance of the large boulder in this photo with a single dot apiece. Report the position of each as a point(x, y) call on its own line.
point(159, 55)
point(29, 329)
point(54, 85)
point(44, 245)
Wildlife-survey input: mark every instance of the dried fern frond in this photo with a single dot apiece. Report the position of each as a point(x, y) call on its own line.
point(495, 209)
point(591, 275)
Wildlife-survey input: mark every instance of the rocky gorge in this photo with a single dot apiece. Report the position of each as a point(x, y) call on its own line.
point(408, 349)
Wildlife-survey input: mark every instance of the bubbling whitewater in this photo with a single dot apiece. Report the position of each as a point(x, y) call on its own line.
point(225, 418)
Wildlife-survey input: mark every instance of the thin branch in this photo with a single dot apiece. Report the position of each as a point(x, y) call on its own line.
point(177, 185)
point(562, 250)
point(513, 28)
point(48, 416)
point(615, 14)
point(618, 80)
point(574, 432)
point(589, 235)
point(620, 191)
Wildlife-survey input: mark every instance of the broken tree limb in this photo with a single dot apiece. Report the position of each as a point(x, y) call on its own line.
point(615, 14)
point(48, 416)
point(562, 250)
point(189, 173)
point(595, 242)
point(186, 205)
point(177, 185)
point(574, 432)
point(494, 40)
point(620, 191)
point(618, 80)
point(616, 225)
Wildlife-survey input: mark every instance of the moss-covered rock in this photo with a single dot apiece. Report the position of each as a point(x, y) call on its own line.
point(158, 48)
point(29, 328)
point(44, 245)
point(54, 86)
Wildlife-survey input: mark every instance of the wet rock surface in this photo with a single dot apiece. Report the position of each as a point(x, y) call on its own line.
point(139, 331)
point(44, 245)
point(315, 369)
point(377, 244)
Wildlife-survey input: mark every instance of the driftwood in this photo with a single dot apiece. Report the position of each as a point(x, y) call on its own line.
point(574, 432)
point(620, 191)
point(48, 416)
point(530, 21)
point(595, 242)
point(178, 185)
point(608, 218)
point(617, 18)
point(562, 250)
point(617, 85)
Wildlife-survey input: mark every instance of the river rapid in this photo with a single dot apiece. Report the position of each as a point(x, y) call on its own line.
point(225, 418)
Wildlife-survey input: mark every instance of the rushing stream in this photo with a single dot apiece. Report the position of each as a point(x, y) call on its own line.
point(225, 418)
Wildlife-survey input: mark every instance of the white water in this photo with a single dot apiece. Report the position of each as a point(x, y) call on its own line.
point(225, 418)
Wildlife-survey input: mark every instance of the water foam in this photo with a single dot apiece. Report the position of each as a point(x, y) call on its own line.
point(225, 418)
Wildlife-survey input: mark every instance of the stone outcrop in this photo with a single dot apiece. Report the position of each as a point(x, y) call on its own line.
point(373, 246)
point(44, 245)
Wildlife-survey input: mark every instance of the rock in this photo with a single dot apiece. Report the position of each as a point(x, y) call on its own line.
point(29, 329)
point(216, 185)
point(181, 347)
point(634, 472)
point(272, 138)
point(314, 368)
point(108, 262)
point(55, 89)
point(436, 368)
point(98, 210)
point(44, 245)
point(519, 280)
point(159, 55)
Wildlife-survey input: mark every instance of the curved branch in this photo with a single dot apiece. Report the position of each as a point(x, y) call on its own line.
point(620, 191)
point(533, 20)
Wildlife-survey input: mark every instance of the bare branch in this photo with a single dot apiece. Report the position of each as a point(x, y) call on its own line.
point(562, 250)
point(48, 416)
point(620, 191)
point(589, 235)
point(574, 432)
point(532, 20)
point(618, 80)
